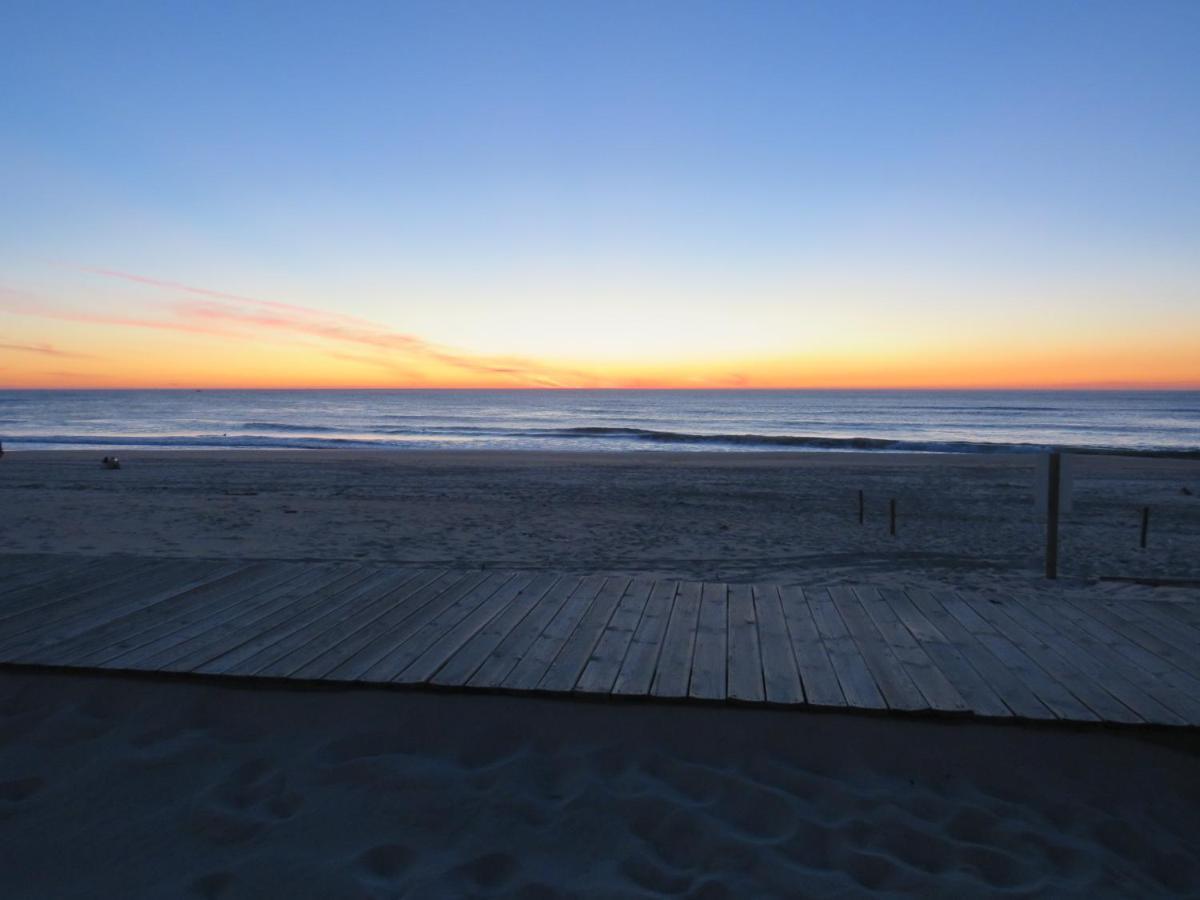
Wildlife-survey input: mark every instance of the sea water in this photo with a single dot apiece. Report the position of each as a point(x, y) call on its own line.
point(1152, 422)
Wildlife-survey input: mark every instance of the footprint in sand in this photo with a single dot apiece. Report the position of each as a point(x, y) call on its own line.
point(18, 790)
point(647, 875)
point(169, 745)
point(490, 870)
point(213, 885)
point(156, 736)
point(15, 793)
point(385, 864)
point(67, 726)
point(254, 797)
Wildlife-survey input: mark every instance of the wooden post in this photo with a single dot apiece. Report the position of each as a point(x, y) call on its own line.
point(1145, 524)
point(892, 523)
point(1052, 483)
point(860, 507)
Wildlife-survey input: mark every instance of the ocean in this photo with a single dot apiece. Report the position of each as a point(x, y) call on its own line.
point(1143, 422)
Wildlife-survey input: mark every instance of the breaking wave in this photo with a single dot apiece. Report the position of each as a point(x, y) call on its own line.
point(300, 437)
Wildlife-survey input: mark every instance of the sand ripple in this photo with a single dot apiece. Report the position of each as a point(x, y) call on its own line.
point(119, 787)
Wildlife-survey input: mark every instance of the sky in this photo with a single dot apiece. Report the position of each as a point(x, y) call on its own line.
point(600, 194)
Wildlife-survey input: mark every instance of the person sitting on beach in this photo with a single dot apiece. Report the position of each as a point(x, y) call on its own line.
point(110, 462)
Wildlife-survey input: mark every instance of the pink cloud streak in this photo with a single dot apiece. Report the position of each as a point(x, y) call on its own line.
point(43, 350)
point(230, 315)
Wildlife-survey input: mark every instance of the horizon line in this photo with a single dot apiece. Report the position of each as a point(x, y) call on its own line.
point(1163, 386)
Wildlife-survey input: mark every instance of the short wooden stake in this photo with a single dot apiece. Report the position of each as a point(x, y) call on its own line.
point(860, 507)
point(1145, 524)
point(1052, 483)
point(892, 523)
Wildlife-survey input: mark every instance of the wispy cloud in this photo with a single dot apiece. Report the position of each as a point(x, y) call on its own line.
point(388, 363)
point(226, 314)
point(203, 292)
point(42, 350)
point(27, 304)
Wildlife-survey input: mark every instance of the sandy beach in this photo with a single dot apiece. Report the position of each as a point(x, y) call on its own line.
point(116, 787)
point(966, 519)
point(142, 787)
point(531, 450)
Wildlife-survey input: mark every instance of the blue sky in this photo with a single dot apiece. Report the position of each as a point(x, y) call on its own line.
point(506, 177)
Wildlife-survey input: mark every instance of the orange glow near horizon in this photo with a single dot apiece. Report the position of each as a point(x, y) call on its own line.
point(192, 337)
point(591, 195)
point(212, 363)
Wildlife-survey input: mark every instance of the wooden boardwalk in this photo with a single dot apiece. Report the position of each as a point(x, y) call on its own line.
point(880, 649)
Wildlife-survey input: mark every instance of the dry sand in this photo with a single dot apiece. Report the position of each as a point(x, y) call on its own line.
point(125, 788)
point(967, 520)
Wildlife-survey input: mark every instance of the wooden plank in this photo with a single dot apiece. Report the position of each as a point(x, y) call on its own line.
point(935, 687)
point(1130, 684)
point(78, 571)
point(465, 661)
point(641, 658)
point(346, 654)
point(305, 622)
point(818, 678)
point(1173, 615)
point(949, 654)
point(529, 671)
point(16, 559)
point(1179, 640)
point(1177, 688)
point(674, 670)
point(239, 605)
point(891, 677)
point(781, 678)
point(54, 589)
point(253, 655)
point(888, 673)
point(1185, 611)
point(1110, 660)
point(501, 661)
point(403, 643)
point(568, 664)
point(712, 635)
point(853, 674)
point(1015, 692)
point(144, 626)
point(15, 564)
point(43, 574)
point(600, 673)
point(40, 604)
point(744, 665)
point(394, 631)
point(452, 639)
point(69, 620)
point(322, 635)
point(1057, 665)
point(208, 640)
point(34, 603)
point(1057, 698)
point(224, 645)
point(378, 589)
point(414, 644)
point(1169, 642)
